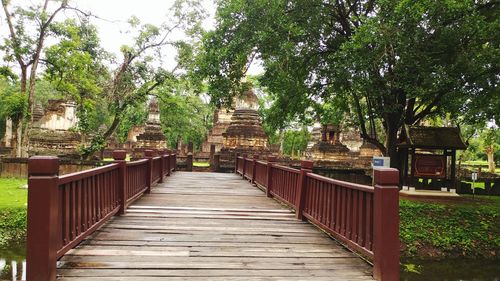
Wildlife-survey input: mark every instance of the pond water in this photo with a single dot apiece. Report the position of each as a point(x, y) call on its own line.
point(12, 263)
point(13, 268)
point(451, 270)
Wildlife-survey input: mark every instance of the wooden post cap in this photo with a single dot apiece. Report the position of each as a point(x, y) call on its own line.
point(119, 154)
point(271, 159)
point(148, 153)
point(43, 165)
point(306, 164)
point(255, 156)
point(385, 176)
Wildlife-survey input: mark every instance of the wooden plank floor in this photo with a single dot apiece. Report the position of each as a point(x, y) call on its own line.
point(209, 226)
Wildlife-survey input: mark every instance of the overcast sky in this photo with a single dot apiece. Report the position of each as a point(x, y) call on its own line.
point(111, 20)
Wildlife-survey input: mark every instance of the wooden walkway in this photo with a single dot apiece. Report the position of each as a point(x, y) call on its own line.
point(209, 226)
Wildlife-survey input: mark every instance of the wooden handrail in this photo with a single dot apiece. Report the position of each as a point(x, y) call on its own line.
point(364, 218)
point(64, 210)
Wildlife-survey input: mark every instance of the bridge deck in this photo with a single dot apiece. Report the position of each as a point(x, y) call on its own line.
point(209, 226)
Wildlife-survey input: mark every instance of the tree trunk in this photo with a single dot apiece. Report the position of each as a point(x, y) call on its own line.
point(391, 143)
point(491, 158)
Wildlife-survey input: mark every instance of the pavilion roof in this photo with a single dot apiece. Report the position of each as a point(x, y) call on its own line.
point(433, 137)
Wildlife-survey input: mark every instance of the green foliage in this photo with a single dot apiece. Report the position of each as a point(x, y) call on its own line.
point(461, 229)
point(76, 71)
point(97, 143)
point(391, 62)
point(13, 105)
point(12, 226)
point(12, 211)
point(184, 115)
point(133, 116)
point(295, 141)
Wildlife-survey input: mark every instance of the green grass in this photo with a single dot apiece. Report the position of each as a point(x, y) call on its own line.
point(12, 211)
point(480, 163)
point(111, 159)
point(470, 228)
point(12, 195)
point(201, 164)
point(476, 185)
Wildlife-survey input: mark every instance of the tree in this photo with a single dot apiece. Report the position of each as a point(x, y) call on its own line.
point(490, 142)
point(137, 76)
point(184, 114)
point(394, 62)
point(75, 67)
point(26, 49)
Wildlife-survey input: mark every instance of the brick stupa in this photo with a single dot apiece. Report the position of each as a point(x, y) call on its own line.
point(152, 137)
point(221, 121)
point(245, 134)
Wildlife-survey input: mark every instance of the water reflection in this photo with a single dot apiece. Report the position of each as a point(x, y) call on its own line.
point(451, 270)
point(12, 270)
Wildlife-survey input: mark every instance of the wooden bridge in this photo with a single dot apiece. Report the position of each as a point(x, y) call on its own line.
point(208, 226)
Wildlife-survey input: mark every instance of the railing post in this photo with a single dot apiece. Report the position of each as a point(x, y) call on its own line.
point(212, 153)
point(175, 161)
point(169, 155)
point(244, 165)
point(189, 162)
point(216, 162)
point(119, 157)
point(43, 226)
point(255, 158)
point(386, 224)
point(305, 167)
point(162, 165)
point(236, 163)
point(148, 154)
point(270, 160)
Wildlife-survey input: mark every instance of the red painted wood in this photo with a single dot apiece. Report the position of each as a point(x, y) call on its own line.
point(63, 210)
point(386, 225)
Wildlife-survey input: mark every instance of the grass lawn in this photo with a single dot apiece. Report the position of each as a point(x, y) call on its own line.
point(480, 163)
point(12, 212)
point(12, 195)
point(201, 164)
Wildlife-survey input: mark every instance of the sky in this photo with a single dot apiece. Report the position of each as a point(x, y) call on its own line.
point(111, 21)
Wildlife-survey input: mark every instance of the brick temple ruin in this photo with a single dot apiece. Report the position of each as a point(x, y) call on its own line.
point(52, 131)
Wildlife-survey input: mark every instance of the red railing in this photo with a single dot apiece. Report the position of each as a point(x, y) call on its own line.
point(261, 173)
point(64, 210)
point(137, 180)
point(85, 200)
point(248, 173)
point(342, 208)
point(157, 170)
point(285, 184)
point(365, 218)
point(173, 162)
point(239, 164)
